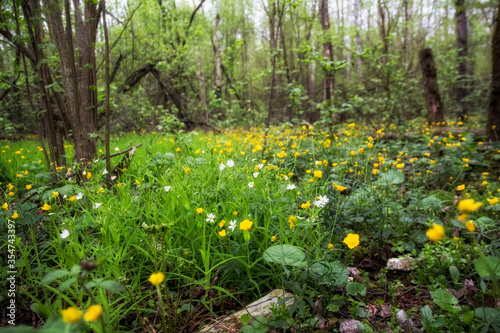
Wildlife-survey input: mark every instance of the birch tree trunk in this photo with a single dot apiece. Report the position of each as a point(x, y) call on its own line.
point(493, 125)
point(329, 82)
point(359, 64)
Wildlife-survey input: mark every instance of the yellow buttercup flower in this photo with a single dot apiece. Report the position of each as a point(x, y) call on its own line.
point(28, 187)
point(246, 225)
point(493, 201)
point(222, 223)
point(156, 278)
point(435, 233)
point(138, 182)
point(468, 205)
point(71, 315)
point(45, 206)
point(318, 174)
point(199, 210)
point(93, 313)
point(339, 188)
point(187, 170)
point(470, 226)
point(15, 215)
point(462, 217)
point(305, 205)
point(460, 187)
point(352, 240)
point(330, 247)
point(222, 233)
point(5, 206)
point(273, 239)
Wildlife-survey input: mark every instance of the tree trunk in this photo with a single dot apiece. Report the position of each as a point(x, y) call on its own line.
point(493, 125)
point(329, 83)
point(218, 61)
point(435, 112)
point(203, 97)
point(359, 45)
point(462, 44)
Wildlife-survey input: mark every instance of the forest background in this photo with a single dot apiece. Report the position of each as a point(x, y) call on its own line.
point(225, 63)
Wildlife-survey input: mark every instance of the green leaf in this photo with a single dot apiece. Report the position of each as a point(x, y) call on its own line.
point(454, 273)
point(333, 274)
point(445, 300)
point(245, 319)
point(57, 274)
point(431, 202)
point(426, 317)
point(354, 288)
point(487, 266)
point(391, 177)
point(286, 255)
point(489, 315)
point(112, 286)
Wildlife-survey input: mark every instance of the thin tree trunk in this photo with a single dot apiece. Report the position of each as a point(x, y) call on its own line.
point(359, 45)
point(329, 83)
point(106, 102)
point(203, 97)
point(462, 44)
point(435, 111)
point(493, 125)
point(218, 61)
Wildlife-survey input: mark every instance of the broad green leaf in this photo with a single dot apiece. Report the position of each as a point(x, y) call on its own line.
point(47, 279)
point(286, 255)
point(426, 317)
point(354, 288)
point(445, 300)
point(112, 286)
point(431, 202)
point(486, 266)
point(489, 315)
point(391, 177)
point(329, 273)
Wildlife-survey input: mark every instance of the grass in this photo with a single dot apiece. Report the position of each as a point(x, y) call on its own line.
point(177, 211)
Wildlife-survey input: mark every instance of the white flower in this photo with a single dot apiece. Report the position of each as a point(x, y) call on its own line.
point(322, 201)
point(317, 162)
point(255, 174)
point(167, 188)
point(250, 184)
point(113, 177)
point(210, 218)
point(222, 166)
point(232, 225)
point(260, 166)
point(291, 187)
point(97, 205)
point(105, 172)
point(79, 196)
point(117, 149)
point(230, 163)
point(64, 233)
point(285, 177)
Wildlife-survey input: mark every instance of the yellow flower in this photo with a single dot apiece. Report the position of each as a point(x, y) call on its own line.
point(11, 194)
point(308, 171)
point(435, 233)
point(291, 220)
point(222, 233)
point(72, 198)
point(305, 205)
point(427, 154)
point(71, 315)
point(199, 210)
point(484, 182)
point(28, 187)
point(330, 247)
point(318, 174)
point(400, 165)
point(10, 187)
point(45, 207)
point(235, 213)
point(222, 223)
point(55, 194)
point(246, 225)
point(15, 215)
point(156, 278)
point(5, 206)
point(353, 153)
point(493, 201)
point(460, 187)
point(297, 154)
point(89, 175)
point(468, 205)
point(352, 240)
point(93, 313)
point(178, 150)
point(339, 188)
point(466, 160)
point(470, 226)
point(273, 239)
point(462, 217)
point(187, 170)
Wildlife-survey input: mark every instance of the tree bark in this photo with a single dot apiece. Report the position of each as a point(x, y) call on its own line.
point(435, 112)
point(462, 44)
point(329, 82)
point(359, 45)
point(493, 124)
point(201, 79)
point(218, 61)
